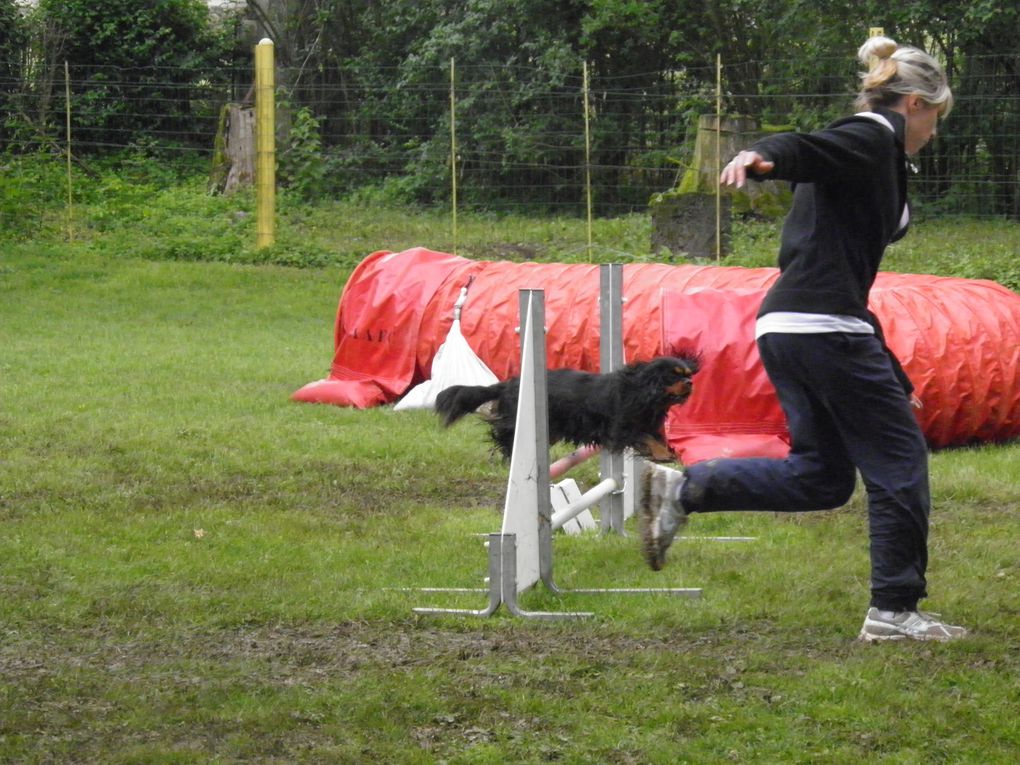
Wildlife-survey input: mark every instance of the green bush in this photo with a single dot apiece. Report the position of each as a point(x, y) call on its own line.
point(300, 162)
point(33, 189)
point(139, 205)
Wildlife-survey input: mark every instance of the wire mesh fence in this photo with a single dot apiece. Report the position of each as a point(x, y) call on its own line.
point(520, 131)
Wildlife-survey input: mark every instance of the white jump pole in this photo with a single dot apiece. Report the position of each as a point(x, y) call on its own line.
point(600, 490)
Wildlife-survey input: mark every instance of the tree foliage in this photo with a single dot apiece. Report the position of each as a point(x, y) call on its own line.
point(12, 44)
point(131, 64)
point(364, 65)
point(371, 82)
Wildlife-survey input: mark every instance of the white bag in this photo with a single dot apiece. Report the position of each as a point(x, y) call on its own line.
point(454, 364)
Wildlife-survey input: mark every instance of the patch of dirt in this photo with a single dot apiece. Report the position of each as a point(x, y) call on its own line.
point(63, 677)
point(345, 648)
point(517, 252)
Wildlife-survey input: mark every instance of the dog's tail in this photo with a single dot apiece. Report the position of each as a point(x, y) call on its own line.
point(454, 402)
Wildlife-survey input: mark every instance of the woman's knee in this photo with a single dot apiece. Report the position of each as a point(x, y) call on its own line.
point(830, 489)
point(825, 484)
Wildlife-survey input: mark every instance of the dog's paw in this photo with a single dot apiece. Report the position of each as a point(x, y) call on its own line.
point(656, 451)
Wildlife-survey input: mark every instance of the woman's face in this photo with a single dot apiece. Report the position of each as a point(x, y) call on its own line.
point(922, 119)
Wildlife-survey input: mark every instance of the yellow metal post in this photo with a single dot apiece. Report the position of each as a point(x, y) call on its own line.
point(265, 144)
point(874, 32)
point(718, 157)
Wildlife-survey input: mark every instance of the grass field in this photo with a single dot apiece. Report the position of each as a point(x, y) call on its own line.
point(194, 569)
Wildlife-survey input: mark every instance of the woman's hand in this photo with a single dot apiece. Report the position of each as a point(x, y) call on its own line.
point(735, 173)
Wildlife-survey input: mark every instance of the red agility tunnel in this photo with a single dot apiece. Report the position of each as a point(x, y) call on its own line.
point(958, 339)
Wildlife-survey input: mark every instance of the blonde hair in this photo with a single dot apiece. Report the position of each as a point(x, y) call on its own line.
point(895, 71)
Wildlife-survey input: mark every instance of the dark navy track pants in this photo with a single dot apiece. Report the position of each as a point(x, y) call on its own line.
point(846, 411)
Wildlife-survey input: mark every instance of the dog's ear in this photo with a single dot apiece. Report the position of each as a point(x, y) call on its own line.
point(690, 366)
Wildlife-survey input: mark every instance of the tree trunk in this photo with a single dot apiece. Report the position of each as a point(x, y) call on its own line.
point(684, 218)
point(234, 160)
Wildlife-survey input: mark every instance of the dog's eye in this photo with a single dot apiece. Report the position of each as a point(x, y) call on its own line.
point(679, 371)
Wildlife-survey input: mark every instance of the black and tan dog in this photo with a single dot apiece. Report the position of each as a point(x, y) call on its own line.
point(625, 408)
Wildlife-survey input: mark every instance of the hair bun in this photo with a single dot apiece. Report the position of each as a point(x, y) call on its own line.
point(878, 47)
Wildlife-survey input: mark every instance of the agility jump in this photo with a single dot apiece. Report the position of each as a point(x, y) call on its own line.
point(520, 555)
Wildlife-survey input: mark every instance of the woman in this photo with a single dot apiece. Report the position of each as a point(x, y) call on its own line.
point(847, 401)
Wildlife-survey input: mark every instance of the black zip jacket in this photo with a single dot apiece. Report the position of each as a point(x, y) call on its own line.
point(850, 189)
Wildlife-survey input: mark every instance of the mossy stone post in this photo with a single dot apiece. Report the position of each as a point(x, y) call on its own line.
point(684, 218)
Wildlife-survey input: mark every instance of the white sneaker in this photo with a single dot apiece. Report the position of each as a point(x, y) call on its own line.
point(907, 625)
point(662, 515)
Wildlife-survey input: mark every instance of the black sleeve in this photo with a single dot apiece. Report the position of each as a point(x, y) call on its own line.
point(846, 153)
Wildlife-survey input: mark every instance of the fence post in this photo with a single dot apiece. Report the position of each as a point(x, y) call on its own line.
point(453, 148)
point(874, 32)
point(587, 155)
point(265, 144)
point(718, 158)
point(70, 193)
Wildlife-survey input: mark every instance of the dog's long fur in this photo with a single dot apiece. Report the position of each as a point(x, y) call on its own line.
point(625, 408)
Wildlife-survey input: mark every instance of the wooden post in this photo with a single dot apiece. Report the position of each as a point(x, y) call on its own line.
point(235, 160)
point(265, 144)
